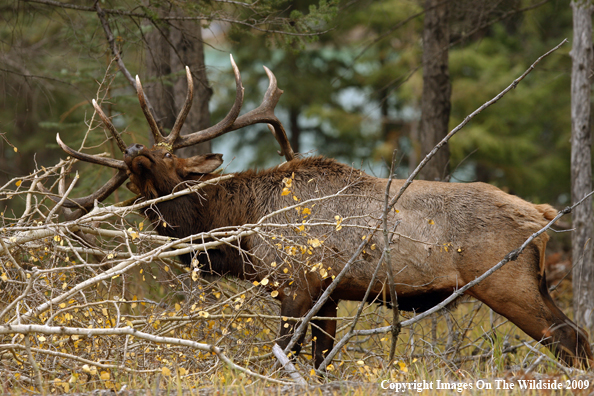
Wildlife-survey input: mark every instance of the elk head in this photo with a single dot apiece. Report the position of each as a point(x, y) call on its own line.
point(141, 163)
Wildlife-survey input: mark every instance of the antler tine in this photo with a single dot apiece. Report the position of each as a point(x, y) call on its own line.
point(109, 125)
point(95, 159)
point(225, 125)
point(179, 122)
point(87, 202)
point(147, 113)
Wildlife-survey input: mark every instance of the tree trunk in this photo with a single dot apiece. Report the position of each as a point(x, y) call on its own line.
point(581, 165)
point(170, 49)
point(435, 100)
point(295, 129)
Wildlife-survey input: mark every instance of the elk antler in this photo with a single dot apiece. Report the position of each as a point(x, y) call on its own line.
point(263, 114)
point(179, 122)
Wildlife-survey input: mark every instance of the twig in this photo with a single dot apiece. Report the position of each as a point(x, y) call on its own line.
point(287, 365)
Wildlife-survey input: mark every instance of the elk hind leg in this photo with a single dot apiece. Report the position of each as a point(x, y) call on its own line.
point(520, 293)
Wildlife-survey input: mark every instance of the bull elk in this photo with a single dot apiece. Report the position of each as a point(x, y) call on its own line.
point(444, 235)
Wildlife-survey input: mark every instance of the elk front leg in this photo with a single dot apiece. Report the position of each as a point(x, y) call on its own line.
point(293, 308)
point(323, 332)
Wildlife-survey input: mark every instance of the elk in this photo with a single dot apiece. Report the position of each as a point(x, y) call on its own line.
point(443, 235)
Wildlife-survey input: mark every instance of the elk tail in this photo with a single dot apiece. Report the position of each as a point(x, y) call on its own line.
point(547, 211)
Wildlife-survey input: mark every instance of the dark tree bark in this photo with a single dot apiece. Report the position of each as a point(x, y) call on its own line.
point(170, 49)
point(435, 100)
point(581, 165)
point(295, 129)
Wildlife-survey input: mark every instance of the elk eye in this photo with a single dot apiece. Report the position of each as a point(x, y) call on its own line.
point(167, 155)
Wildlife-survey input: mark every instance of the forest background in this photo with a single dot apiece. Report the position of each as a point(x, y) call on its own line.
point(352, 92)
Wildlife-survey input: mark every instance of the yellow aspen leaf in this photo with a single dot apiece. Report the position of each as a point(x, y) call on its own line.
point(274, 293)
point(285, 191)
point(363, 237)
point(195, 276)
point(110, 256)
point(166, 268)
point(330, 367)
point(285, 270)
point(15, 149)
point(295, 198)
point(177, 307)
point(64, 286)
point(183, 371)
point(41, 338)
point(164, 225)
point(430, 222)
point(165, 371)
point(203, 314)
point(140, 226)
point(256, 283)
point(306, 211)
point(286, 326)
point(273, 264)
point(18, 183)
point(105, 375)
point(4, 277)
point(372, 247)
point(264, 282)
point(57, 238)
point(403, 367)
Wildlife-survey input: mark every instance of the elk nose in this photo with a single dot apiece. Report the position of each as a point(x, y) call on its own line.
point(133, 149)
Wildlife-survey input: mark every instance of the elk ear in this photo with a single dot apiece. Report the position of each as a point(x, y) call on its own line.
point(201, 164)
point(133, 187)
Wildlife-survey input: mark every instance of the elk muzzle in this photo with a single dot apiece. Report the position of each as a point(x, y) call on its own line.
point(133, 150)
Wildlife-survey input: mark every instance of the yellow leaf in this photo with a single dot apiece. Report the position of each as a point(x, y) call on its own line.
point(4, 277)
point(285, 270)
point(203, 314)
point(165, 371)
point(363, 237)
point(273, 264)
point(306, 211)
point(57, 238)
point(274, 293)
point(164, 225)
point(177, 307)
point(41, 338)
point(330, 367)
point(105, 375)
point(183, 371)
point(286, 325)
point(64, 286)
point(430, 222)
point(285, 191)
point(295, 198)
point(140, 226)
point(195, 276)
point(264, 281)
point(15, 149)
point(18, 183)
point(256, 283)
point(360, 362)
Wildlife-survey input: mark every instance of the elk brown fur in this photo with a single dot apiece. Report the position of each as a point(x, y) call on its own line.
point(445, 235)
